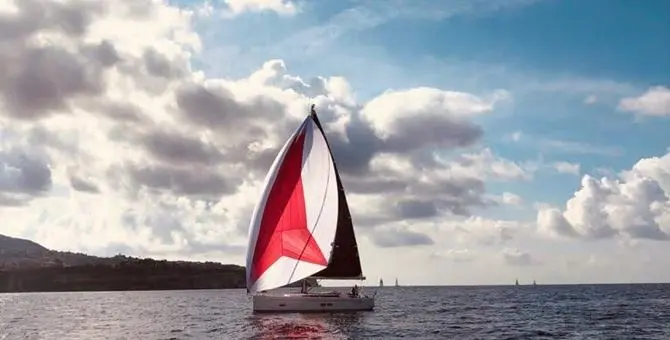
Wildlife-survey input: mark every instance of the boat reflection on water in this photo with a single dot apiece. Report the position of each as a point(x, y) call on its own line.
point(306, 326)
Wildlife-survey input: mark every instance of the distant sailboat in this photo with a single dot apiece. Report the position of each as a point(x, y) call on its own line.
point(516, 282)
point(381, 282)
point(534, 284)
point(396, 282)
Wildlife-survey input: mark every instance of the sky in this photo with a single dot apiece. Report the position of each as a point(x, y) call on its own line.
point(479, 141)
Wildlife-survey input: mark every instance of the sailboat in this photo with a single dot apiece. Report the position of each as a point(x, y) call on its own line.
point(301, 228)
point(396, 282)
point(381, 282)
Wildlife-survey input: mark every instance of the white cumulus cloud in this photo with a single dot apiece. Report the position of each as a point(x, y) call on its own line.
point(654, 102)
point(634, 205)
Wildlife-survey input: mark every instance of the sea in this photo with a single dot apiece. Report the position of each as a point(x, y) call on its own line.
point(638, 311)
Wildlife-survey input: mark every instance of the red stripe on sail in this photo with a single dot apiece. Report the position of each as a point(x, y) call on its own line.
point(284, 230)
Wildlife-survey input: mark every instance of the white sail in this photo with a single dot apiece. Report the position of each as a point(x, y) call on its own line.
point(293, 225)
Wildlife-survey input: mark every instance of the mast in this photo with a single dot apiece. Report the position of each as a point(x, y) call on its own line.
point(345, 263)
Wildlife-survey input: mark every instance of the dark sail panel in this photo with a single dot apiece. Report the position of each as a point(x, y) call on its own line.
point(345, 262)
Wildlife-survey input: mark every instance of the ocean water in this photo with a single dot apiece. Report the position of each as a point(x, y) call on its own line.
point(487, 312)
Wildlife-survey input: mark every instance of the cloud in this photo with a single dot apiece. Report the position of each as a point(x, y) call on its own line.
point(455, 255)
point(316, 41)
point(403, 115)
point(511, 199)
point(485, 164)
point(579, 148)
point(400, 238)
point(22, 177)
point(112, 114)
point(476, 230)
point(410, 186)
point(83, 185)
point(282, 7)
point(562, 146)
point(654, 102)
point(634, 205)
point(439, 10)
point(515, 257)
point(507, 198)
point(567, 168)
point(591, 99)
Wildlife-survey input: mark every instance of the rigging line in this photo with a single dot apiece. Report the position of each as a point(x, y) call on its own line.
point(311, 234)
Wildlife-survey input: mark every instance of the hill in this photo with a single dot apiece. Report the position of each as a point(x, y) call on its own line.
point(26, 266)
point(9, 244)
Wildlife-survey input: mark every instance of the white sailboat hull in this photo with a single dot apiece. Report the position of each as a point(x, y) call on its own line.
point(311, 303)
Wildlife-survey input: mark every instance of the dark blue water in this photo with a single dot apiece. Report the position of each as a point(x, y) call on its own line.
point(524, 312)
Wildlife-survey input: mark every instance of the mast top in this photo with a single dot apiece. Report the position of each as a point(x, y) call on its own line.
point(312, 110)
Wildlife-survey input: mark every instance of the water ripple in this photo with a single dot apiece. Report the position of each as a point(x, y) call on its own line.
point(541, 312)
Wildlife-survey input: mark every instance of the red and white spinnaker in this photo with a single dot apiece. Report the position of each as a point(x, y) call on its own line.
point(294, 224)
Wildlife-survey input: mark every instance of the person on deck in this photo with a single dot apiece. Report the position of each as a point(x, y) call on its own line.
point(354, 291)
point(303, 290)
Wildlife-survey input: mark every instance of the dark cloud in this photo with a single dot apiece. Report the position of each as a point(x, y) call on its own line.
point(80, 184)
point(415, 200)
point(353, 155)
point(104, 53)
point(647, 230)
point(517, 258)
point(400, 238)
point(174, 148)
point(414, 208)
point(456, 196)
point(431, 131)
point(122, 112)
point(208, 107)
point(215, 107)
point(44, 79)
point(37, 79)
point(157, 65)
point(22, 173)
point(71, 18)
point(373, 185)
point(22, 177)
point(191, 181)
